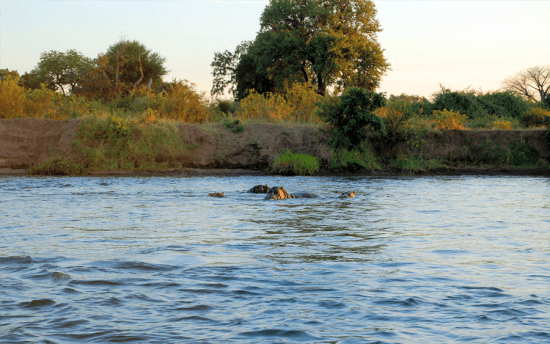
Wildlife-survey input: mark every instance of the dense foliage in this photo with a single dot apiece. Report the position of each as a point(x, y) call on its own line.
point(322, 43)
point(350, 114)
point(295, 164)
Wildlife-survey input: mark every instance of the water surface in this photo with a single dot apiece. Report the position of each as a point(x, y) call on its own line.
point(155, 260)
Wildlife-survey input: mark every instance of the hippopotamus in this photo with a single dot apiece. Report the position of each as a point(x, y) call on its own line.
point(349, 194)
point(216, 194)
point(279, 192)
point(260, 189)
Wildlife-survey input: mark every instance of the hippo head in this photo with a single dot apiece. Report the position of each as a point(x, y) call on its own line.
point(216, 194)
point(260, 189)
point(349, 194)
point(277, 193)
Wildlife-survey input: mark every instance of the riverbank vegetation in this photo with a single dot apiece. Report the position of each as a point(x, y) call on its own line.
point(322, 72)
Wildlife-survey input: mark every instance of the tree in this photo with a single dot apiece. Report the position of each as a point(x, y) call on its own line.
point(95, 83)
point(60, 70)
point(532, 83)
point(6, 73)
point(327, 43)
point(130, 63)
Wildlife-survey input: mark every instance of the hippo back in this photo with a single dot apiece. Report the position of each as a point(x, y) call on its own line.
point(305, 195)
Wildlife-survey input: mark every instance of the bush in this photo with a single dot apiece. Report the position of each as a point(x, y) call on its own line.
point(57, 166)
point(535, 117)
point(522, 154)
point(303, 102)
point(449, 120)
point(353, 161)
point(502, 125)
point(295, 164)
point(271, 107)
point(350, 115)
point(12, 98)
point(475, 104)
point(411, 106)
point(236, 126)
point(225, 106)
point(504, 104)
point(185, 104)
point(459, 101)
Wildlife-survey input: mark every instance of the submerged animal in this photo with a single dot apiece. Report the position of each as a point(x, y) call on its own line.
point(349, 194)
point(216, 194)
point(279, 192)
point(260, 189)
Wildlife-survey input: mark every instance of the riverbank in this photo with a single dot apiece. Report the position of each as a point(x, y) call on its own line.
point(218, 149)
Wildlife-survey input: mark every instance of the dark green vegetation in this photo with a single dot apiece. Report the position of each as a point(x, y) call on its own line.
point(322, 43)
point(58, 166)
point(350, 114)
point(295, 164)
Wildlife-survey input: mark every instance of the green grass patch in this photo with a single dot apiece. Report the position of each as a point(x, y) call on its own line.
point(295, 164)
point(414, 163)
point(353, 160)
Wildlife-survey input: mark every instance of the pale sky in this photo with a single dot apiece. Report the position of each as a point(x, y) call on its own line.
point(454, 43)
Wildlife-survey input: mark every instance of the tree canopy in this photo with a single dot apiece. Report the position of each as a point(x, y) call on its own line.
point(532, 83)
point(327, 43)
point(61, 71)
point(129, 63)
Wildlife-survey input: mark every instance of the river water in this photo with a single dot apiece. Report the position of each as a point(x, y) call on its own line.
point(155, 260)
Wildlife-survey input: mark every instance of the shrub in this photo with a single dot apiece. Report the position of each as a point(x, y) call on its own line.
point(43, 103)
point(449, 120)
point(303, 102)
point(522, 154)
point(411, 106)
point(459, 101)
point(504, 104)
point(269, 106)
point(350, 115)
point(295, 164)
point(185, 104)
point(502, 125)
point(535, 117)
point(225, 107)
point(353, 161)
point(57, 166)
point(12, 98)
point(236, 126)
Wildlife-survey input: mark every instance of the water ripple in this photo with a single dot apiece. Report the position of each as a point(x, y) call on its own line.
point(155, 260)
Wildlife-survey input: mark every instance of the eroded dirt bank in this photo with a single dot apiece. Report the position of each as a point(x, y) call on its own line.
point(215, 150)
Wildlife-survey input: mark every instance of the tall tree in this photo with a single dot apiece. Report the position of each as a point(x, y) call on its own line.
point(532, 83)
point(131, 63)
point(328, 43)
point(61, 71)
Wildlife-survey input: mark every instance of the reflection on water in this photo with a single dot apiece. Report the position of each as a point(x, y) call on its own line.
point(156, 260)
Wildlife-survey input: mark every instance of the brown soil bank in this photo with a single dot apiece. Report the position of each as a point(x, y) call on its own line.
point(26, 142)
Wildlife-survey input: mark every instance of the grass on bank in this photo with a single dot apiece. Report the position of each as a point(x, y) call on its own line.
point(115, 143)
point(295, 164)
